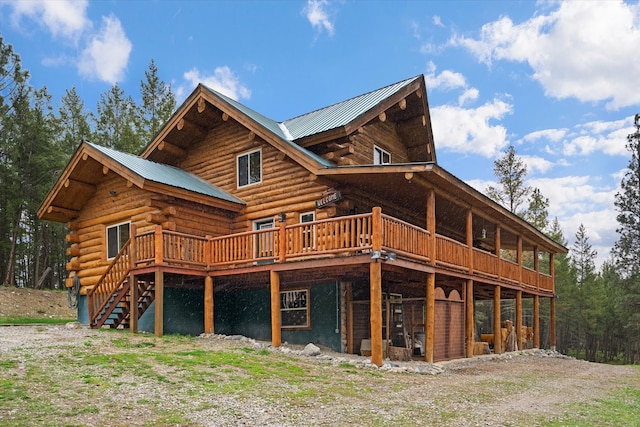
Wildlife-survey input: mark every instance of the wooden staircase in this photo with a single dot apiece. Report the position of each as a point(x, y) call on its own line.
point(109, 302)
point(117, 312)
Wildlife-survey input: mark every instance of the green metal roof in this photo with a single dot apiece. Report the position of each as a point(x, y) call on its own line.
point(165, 174)
point(341, 113)
point(318, 121)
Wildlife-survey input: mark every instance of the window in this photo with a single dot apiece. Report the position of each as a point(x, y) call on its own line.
point(380, 156)
point(250, 168)
point(308, 232)
point(117, 236)
point(294, 308)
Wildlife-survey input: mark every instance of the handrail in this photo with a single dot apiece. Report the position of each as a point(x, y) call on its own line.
point(451, 252)
point(109, 283)
point(404, 238)
point(250, 246)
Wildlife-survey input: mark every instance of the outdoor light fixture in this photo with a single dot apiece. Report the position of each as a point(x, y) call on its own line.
point(383, 255)
point(282, 217)
point(113, 192)
point(484, 233)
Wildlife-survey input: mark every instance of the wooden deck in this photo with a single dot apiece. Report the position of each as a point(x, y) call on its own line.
point(336, 237)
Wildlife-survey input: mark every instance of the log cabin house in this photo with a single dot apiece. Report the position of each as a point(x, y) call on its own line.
point(336, 227)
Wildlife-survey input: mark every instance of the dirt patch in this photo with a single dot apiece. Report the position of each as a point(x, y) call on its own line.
point(34, 304)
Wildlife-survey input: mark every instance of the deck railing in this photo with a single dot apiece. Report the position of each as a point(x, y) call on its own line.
point(98, 296)
point(336, 236)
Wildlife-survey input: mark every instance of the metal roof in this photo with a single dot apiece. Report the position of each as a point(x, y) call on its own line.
point(165, 174)
point(341, 113)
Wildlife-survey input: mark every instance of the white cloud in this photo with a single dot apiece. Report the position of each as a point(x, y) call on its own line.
point(317, 14)
point(582, 50)
point(536, 164)
point(446, 80)
point(222, 80)
point(107, 53)
point(470, 130)
point(437, 21)
point(64, 18)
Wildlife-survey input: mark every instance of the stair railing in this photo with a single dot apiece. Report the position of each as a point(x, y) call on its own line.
point(98, 297)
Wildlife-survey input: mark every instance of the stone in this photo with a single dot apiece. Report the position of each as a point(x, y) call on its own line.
point(311, 350)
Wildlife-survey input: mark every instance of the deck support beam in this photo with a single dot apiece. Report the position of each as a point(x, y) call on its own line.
point(497, 326)
point(375, 284)
point(468, 318)
point(133, 303)
point(520, 338)
point(159, 304)
point(536, 321)
point(430, 318)
point(208, 305)
point(552, 323)
point(276, 335)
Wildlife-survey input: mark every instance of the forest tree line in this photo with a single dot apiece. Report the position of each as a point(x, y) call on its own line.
point(598, 309)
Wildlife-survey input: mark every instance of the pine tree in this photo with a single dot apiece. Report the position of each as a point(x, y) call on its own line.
point(537, 213)
point(158, 104)
point(511, 172)
point(73, 121)
point(116, 121)
point(627, 249)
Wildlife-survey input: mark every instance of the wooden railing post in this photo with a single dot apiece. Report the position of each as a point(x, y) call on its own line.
point(498, 256)
point(132, 249)
point(431, 224)
point(282, 240)
point(519, 259)
point(470, 238)
point(376, 232)
point(552, 273)
point(536, 266)
point(159, 251)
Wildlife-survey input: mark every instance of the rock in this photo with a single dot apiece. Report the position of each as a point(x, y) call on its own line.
point(311, 350)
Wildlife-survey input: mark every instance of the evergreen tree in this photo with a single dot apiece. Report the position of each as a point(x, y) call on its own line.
point(74, 122)
point(116, 121)
point(511, 172)
point(627, 249)
point(537, 213)
point(158, 104)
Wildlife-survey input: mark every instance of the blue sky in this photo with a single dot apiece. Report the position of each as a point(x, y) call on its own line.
point(558, 80)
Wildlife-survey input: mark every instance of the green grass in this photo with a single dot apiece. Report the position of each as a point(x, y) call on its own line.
point(33, 321)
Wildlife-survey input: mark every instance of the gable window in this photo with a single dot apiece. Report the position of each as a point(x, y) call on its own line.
point(117, 236)
point(249, 168)
point(380, 156)
point(294, 308)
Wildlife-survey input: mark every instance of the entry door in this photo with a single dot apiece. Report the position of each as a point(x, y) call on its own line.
point(264, 242)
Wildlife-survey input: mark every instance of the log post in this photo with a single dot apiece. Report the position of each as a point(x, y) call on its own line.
point(430, 327)
point(498, 256)
point(376, 229)
point(469, 318)
point(536, 321)
point(431, 225)
point(276, 336)
point(159, 304)
point(519, 258)
point(552, 323)
point(497, 327)
point(133, 303)
point(470, 239)
point(375, 285)
point(519, 337)
point(208, 305)
point(282, 240)
point(132, 246)
point(159, 250)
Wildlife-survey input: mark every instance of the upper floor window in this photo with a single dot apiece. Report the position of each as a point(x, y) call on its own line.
point(250, 168)
point(380, 156)
point(117, 236)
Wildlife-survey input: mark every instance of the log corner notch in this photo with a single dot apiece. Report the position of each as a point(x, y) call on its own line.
point(172, 150)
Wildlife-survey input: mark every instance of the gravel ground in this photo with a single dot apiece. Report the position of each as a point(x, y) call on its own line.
point(519, 388)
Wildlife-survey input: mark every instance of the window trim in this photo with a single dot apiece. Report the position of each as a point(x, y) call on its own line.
point(307, 309)
point(382, 151)
point(248, 154)
point(120, 244)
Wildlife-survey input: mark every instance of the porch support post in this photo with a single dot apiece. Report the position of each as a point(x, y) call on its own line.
point(208, 305)
point(375, 315)
point(519, 319)
point(469, 319)
point(276, 336)
point(431, 225)
point(159, 304)
point(497, 244)
point(431, 317)
point(552, 323)
point(497, 327)
point(536, 321)
point(470, 238)
point(133, 303)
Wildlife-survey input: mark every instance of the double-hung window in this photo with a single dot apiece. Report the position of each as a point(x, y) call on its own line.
point(380, 156)
point(117, 236)
point(249, 168)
